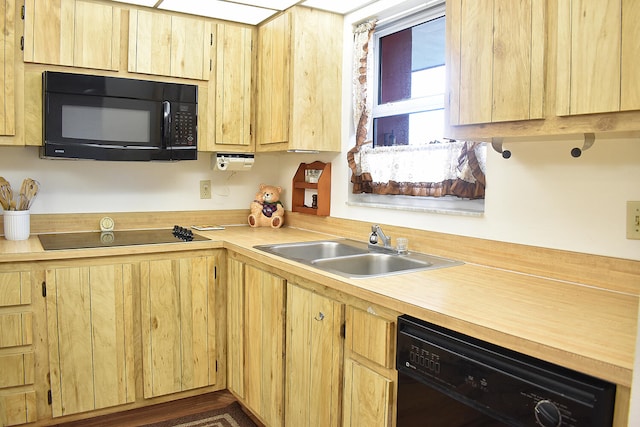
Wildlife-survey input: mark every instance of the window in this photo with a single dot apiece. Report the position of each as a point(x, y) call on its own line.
point(401, 158)
point(408, 107)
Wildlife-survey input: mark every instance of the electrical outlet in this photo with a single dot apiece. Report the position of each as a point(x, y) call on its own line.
point(633, 220)
point(205, 189)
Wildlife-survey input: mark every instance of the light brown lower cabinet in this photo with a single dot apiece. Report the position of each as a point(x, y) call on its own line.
point(367, 396)
point(289, 361)
point(370, 378)
point(313, 377)
point(90, 337)
point(126, 329)
point(255, 337)
point(178, 323)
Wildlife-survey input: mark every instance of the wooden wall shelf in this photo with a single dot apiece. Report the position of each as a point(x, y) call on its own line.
point(322, 188)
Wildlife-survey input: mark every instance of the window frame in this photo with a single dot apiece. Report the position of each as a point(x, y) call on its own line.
point(412, 105)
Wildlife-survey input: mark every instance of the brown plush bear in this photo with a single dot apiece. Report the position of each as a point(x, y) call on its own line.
point(266, 209)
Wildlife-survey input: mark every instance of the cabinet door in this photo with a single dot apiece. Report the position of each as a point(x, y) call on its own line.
point(630, 91)
point(274, 62)
point(90, 334)
point(7, 67)
point(235, 327)
point(496, 54)
point(316, 79)
point(597, 56)
point(178, 324)
point(168, 45)
point(300, 81)
point(72, 33)
point(314, 359)
point(233, 86)
point(264, 345)
point(149, 43)
point(191, 41)
point(367, 397)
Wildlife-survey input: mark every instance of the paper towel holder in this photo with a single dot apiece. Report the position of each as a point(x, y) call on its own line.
point(233, 161)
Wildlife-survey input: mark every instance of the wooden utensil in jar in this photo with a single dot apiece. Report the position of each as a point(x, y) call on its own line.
point(6, 195)
point(28, 192)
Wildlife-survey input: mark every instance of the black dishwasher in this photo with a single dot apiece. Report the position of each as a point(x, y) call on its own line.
point(447, 379)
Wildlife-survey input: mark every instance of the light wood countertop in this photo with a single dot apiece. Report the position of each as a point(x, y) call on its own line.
point(582, 327)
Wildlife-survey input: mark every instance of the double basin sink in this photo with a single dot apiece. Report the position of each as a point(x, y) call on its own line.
point(356, 260)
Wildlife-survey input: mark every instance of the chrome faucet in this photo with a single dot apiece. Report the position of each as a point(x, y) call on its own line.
point(376, 232)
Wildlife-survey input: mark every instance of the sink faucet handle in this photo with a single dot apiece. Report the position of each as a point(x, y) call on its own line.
point(376, 232)
point(373, 237)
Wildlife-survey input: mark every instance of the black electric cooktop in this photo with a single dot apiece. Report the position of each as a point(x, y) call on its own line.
point(96, 239)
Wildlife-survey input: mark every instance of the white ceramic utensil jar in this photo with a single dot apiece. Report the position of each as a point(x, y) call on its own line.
point(17, 225)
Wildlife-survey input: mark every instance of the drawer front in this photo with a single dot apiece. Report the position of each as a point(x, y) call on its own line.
point(16, 370)
point(371, 336)
point(17, 408)
point(15, 330)
point(15, 288)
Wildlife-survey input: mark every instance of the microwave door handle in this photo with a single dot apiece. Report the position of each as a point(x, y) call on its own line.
point(166, 123)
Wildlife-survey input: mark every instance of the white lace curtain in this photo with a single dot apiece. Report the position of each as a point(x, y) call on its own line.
point(446, 168)
point(432, 163)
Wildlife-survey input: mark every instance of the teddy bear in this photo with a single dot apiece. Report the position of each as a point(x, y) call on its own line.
point(266, 208)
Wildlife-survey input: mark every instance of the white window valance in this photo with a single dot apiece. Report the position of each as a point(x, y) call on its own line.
point(427, 163)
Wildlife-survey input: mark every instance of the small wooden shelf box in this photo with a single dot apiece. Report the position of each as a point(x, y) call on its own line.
point(323, 188)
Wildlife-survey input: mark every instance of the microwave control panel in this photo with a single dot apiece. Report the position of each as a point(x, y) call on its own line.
point(184, 126)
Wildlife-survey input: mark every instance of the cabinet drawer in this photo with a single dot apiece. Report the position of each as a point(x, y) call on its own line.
point(15, 288)
point(17, 408)
point(16, 370)
point(371, 336)
point(15, 330)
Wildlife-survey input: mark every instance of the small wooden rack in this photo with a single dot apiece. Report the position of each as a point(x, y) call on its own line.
point(322, 187)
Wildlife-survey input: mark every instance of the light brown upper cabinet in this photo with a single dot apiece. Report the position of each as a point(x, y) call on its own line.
point(300, 81)
point(586, 51)
point(73, 33)
point(598, 53)
point(169, 45)
point(495, 60)
point(7, 67)
point(229, 117)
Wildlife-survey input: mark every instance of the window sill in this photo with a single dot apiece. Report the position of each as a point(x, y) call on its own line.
point(447, 205)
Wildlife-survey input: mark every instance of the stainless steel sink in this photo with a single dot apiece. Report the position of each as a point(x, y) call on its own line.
point(309, 251)
point(371, 264)
point(353, 259)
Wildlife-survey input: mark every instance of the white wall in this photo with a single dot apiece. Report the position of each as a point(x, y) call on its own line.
point(69, 186)
point(541, 196)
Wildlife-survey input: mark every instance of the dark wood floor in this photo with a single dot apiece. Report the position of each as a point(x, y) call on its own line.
point(160, 412)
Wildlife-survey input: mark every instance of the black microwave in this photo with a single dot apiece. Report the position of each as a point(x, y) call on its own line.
point(118, 119)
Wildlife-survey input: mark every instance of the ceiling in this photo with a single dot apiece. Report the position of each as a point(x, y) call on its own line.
point(246, 11)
